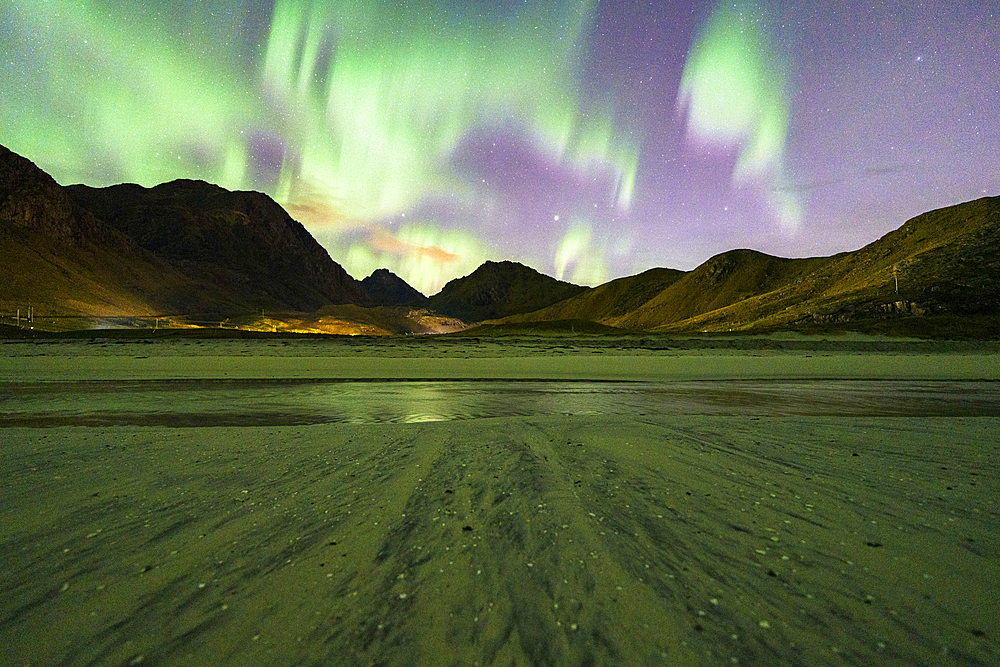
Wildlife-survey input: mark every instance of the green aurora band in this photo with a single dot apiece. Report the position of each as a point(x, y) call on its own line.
point(733, 91)
point(346, 115)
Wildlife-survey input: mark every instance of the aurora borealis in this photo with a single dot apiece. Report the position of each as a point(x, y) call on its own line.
point(587, 139)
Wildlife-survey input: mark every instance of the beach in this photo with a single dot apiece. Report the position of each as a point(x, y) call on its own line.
point(556, 358)
point(540, 539)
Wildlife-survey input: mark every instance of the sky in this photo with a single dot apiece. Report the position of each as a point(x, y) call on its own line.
point(587, 139)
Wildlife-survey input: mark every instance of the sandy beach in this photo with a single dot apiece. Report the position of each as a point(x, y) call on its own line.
point(571, 358)
point(601, 539)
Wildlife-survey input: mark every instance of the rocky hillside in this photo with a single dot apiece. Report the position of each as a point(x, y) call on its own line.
point(243, 243)
point(944, 263)
point(607, 302)
point(59, 257)
point(188, 247)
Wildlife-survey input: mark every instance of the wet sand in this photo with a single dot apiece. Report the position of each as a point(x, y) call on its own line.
point(540, 358)
point(515, 540)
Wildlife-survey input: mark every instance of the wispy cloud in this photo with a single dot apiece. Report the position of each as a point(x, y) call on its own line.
point(384, 241)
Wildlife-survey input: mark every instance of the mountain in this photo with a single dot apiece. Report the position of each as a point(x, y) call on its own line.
point(941, 265)
point(385, 288)
point(188, 247)
point(241, 243)
point(58, 256)
point(607, 302)
point(729, 278)
point(499, 289)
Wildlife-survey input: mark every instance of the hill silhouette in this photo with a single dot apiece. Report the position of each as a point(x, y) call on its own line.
point(385, 288)
point(605, 303)
point(58, 255)
point(499, 289)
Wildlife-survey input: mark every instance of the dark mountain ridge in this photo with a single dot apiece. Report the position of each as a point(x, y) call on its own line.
point(242, 242)
point(58, 254)
point(191, 247)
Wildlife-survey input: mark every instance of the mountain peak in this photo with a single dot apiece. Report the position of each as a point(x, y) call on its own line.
point(385, 288)
point(499, 289)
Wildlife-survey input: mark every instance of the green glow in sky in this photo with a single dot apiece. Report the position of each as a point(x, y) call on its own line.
point(577, 259)
point(138, 110)
point(348, 114)
point(399, 94)
point(733, 89)
point(426, 253)
point(584, 138)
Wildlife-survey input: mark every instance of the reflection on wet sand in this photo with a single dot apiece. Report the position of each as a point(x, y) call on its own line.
point(764, 502)
point(290, 402)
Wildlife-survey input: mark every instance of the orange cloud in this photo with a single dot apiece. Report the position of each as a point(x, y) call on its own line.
point(315, 206)
point(381, 239)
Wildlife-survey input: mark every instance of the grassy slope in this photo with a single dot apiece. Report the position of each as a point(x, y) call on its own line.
point(941, 259)
point(730, 278)
point(500, 289)
point(59, 278)
point(608, 302)
point(945, 262)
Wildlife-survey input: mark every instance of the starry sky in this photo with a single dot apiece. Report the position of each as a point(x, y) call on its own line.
point(587, 139)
